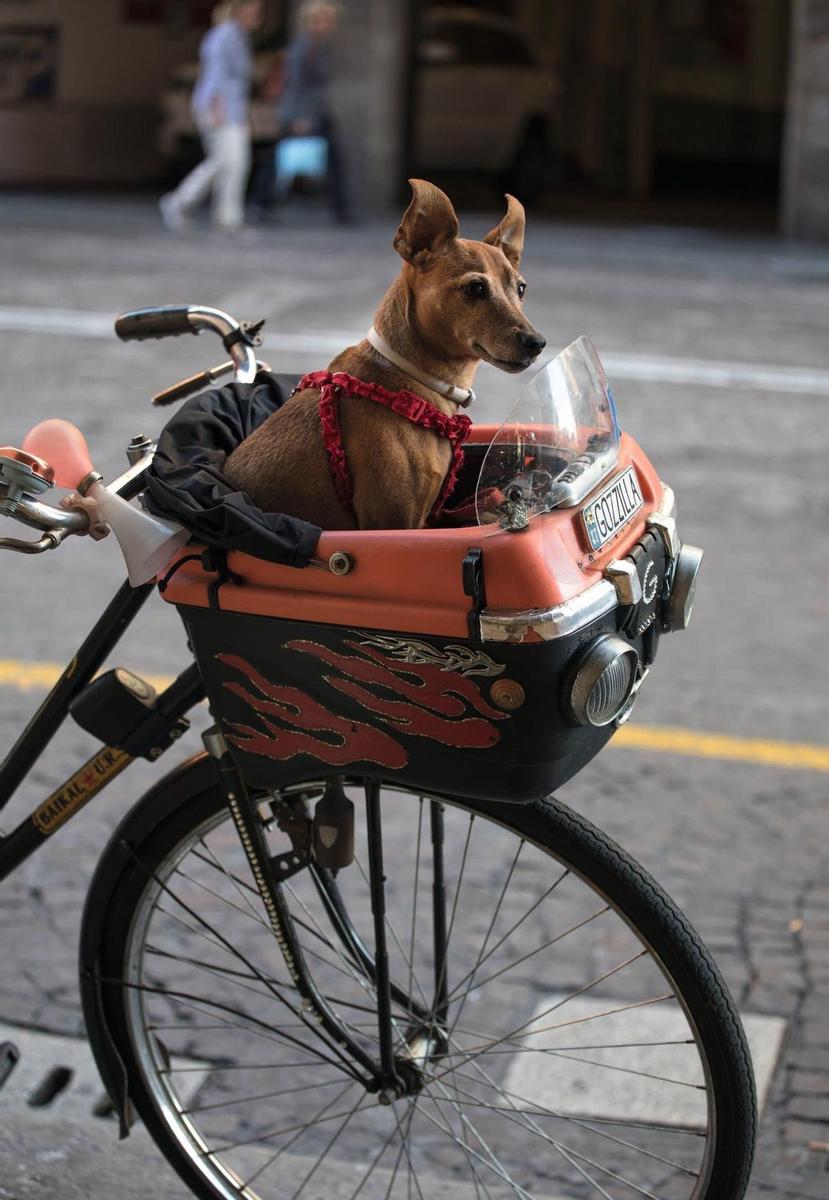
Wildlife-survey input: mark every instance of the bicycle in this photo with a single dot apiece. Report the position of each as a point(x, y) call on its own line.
point(355, 944)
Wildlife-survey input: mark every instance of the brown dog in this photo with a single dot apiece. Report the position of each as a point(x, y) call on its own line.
point(454, 303)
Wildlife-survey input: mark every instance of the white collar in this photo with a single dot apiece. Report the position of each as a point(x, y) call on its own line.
point(461, 396)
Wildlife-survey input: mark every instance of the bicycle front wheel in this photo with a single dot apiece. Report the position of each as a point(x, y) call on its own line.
point(559, 1029)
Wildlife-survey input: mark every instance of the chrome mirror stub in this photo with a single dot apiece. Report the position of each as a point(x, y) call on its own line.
point(623, 575)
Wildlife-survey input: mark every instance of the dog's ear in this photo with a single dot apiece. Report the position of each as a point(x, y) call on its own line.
point(428, 225)
point(509, 235)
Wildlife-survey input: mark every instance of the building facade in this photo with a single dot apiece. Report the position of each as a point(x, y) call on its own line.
point(729, 93)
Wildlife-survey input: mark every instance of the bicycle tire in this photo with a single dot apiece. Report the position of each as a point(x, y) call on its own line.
point(548, 826)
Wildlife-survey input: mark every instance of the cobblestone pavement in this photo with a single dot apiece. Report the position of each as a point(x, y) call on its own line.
point(742, 848)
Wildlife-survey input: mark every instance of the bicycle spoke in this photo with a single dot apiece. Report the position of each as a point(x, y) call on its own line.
point(482, 951)
point(412, 1173)
point(224, 973)
point(272, 1159)
point(415, 891)
point(305, 1087)
point(242, 886)
point(248, 912)
point(582, 1123)
point(324, 1154)
point(512, 930)
point(481, 1074)
point(531, 953)
point(441, 984)
point(258, 1028)
point(493, 1166)
point(474, 1051)
point(370, 1171)
point(627, 1070)
point(292, 1128)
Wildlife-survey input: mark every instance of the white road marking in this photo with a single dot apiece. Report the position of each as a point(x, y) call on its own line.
point(807, 381)
point(579, 1088)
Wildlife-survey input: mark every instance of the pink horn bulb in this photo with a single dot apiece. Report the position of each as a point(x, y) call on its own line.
point(64, 447)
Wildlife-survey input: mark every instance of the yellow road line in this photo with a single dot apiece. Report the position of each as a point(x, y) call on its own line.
point(35, 676)
point(800, 756)
point(761, 751)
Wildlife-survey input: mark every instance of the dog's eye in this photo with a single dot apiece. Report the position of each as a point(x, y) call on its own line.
point(522, 287)
point(476, 289)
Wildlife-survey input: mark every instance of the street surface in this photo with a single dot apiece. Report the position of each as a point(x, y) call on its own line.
point(717, 347)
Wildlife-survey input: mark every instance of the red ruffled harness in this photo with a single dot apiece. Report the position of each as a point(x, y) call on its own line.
point(407, 404)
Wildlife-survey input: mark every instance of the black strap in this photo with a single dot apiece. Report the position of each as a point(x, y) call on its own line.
point(162, 583)
point(214, 560)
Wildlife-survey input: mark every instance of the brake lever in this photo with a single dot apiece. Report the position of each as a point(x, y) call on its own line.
point(195, 383)
point(49, 541)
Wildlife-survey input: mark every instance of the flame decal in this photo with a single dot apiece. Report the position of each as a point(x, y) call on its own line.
point(420, 699)
point(286, 713)
point(413, 698)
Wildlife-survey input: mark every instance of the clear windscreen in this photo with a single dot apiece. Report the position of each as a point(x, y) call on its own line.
point(558, 442)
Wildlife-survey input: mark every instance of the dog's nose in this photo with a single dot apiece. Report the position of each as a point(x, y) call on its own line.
point(533, 343)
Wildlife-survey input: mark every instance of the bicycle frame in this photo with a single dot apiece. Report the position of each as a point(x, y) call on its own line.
point(75, 792)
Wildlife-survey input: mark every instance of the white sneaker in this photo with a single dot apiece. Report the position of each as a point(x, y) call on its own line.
point(172, 214)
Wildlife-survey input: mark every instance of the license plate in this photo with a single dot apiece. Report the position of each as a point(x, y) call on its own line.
point(614, 506)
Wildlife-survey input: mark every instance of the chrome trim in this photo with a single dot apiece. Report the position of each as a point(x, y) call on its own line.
point(670, 534)
point(683, 583)
point(595, 469)
point(513, 625)
point(623, 575)
point(667, 505)
point(89, 480)
point(624, 715)
point(603, 653)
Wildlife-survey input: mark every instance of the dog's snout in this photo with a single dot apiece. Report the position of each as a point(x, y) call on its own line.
point(532, 342)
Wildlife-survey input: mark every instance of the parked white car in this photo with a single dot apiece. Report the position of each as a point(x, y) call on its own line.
point(484, 100)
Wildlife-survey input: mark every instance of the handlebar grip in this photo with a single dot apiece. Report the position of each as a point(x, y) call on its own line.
point(142, 323)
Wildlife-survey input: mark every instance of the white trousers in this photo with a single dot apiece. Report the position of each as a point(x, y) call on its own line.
point(224, 172)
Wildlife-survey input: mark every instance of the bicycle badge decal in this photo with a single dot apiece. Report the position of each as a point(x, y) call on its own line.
point(83, 785)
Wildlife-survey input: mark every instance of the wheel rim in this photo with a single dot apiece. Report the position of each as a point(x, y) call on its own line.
point(531, 964)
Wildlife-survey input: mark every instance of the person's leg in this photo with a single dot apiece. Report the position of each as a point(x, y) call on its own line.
point(195, 187)
point(229, 193)
point(337, 180)
point(263, 181)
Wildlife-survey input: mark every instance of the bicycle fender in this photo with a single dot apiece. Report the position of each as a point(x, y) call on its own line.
point(176, 788)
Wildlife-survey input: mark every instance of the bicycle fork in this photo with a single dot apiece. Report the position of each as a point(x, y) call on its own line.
point(395, 1075)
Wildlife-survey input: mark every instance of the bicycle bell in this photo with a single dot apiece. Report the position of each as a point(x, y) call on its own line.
point(24, 475)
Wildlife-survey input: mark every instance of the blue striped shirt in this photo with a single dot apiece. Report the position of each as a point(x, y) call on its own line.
point(225, 71)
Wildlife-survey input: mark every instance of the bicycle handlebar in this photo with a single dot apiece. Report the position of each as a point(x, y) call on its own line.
point(138, 325)
point(171, 320)
point(175, 319)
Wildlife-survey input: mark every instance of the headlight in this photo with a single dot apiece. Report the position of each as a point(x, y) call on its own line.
point(683, 586)
point(603, 681)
